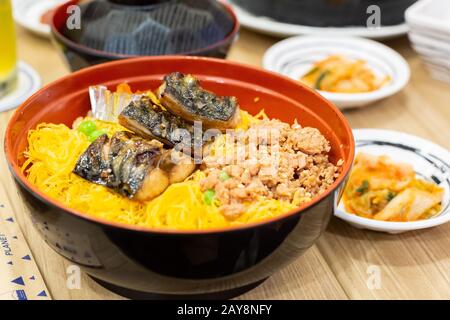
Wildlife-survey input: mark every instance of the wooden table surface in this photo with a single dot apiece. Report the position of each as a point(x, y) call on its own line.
point(413, 265)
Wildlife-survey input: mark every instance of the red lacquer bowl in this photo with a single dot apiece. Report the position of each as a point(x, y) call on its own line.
point(139, 262)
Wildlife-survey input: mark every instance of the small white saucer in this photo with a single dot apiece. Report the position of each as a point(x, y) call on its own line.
point(430, 161)
point(295, 56)
point(28, 82)
point(28, 13)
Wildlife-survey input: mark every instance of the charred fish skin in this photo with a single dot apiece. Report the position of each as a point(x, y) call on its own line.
point(93, 163)
point(183, 95)
point(131, 159)
point(153, 122)
point(131, 166)
point(121, 163)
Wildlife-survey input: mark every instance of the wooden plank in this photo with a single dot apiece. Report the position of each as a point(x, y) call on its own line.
point(309, 277)
point(413, 265)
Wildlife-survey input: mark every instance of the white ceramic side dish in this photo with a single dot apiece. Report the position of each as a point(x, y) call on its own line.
point(28, 82)
point(429, 22)
point(430, 15)
point(28, 13)
point(295, 56)
point(430, 161)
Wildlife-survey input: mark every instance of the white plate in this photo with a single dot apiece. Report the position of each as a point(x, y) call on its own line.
point(429, 22)
point(427, 52)
point(439, 36)
point(432, 16)
point(430, 161)
point(435, 58)
point(434, 44)
point(28, 13)
point(279, 29)
point(295, 56)
point(28, 82)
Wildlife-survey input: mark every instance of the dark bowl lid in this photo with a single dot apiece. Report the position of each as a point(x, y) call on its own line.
point(123, 28)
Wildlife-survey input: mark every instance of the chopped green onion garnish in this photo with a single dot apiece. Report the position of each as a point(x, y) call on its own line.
point(209, 196)
point(320, 79)
point(95, 134)
point(310, 72)
point(87, 127)
point(390, 196)
point(363, 188)
point(223, 176)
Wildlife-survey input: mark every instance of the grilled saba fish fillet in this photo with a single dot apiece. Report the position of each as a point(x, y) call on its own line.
point(151, 121)
point(183, 95)
point(130, 166)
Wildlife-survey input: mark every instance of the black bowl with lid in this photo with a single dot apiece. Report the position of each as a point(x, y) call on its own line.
point(97, 31)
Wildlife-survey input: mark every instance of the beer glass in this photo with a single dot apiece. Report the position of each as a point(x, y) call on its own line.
point(8, 70)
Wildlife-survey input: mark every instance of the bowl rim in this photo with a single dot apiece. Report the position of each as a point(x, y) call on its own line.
point(110, 55)
point(20, 177)
point(388, 226)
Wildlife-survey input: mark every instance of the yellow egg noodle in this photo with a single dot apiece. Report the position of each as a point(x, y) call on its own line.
point(53, 150)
